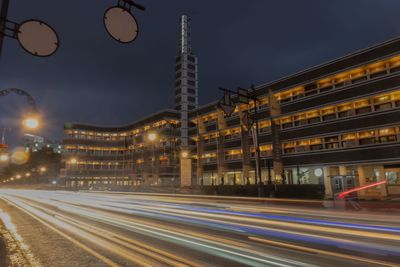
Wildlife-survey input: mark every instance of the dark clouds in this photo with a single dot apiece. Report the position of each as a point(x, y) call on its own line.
point(96, 80)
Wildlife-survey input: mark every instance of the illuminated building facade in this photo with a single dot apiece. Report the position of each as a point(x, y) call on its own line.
point(143, 153)
point(339, 126)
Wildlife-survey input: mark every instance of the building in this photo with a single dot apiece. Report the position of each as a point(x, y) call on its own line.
point(142, 153)
point(186, 92)
point(338, 124)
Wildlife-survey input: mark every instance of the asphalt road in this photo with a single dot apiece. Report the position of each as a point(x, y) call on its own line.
point(56, 228)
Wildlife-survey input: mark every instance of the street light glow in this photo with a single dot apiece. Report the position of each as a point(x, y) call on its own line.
point(73, 161)
point(152, 136)
point(42, 169)
point(4, 157)
point(184, 154)
point(31, 123)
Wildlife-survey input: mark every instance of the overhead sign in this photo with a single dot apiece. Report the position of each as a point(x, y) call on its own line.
point(121, 24)
point(37, 38)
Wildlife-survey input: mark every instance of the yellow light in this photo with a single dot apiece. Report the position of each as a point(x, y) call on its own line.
point(152, 136)
point(73, 161)
point(42, 169)
point(18, 177)
point(184, 154)
point(31, 123)
point(27, 174)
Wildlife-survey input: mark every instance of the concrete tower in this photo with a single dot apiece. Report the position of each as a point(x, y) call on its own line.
point(186, 91)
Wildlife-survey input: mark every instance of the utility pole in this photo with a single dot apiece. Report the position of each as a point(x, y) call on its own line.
point(246, 96)
point(3, 20)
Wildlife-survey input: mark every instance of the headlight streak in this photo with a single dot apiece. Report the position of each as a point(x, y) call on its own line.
point(122, 211)
point(241, 228)
point(247, 259)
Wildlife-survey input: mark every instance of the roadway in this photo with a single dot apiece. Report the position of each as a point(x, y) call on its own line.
point(57, 228)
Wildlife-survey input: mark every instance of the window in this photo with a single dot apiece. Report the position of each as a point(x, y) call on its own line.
point(329, 117)
point(367, 141)
point(178, 67)
point(191, 74)
point(360, 79)
point(363, 110)
point(178, 75)
point(314, 120)
point(192, 67)
point(191, 91)
point(191, 99)
point(192, 83)
point(377, 74)
point(384, 106)
point(316, 147)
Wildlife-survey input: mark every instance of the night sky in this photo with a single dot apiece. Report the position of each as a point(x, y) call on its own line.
point(94, 79)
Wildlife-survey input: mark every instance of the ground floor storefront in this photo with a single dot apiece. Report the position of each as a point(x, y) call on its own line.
point(335, 179)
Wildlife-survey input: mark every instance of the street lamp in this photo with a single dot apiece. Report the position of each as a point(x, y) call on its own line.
point(152, 137)
point(184, 154)
point(246, 96)
point(4, 157)
point(31, 123)
point(42, 169)
point(73, 161)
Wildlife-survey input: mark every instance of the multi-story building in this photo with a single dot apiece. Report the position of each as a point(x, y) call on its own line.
point(140, 153)
point(338, 124)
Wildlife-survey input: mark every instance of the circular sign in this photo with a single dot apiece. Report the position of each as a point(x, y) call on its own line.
point(120, 24)
point(37, 38)
point(318, 172)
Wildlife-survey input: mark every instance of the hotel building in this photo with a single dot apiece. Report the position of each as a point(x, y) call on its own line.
point(339, 125)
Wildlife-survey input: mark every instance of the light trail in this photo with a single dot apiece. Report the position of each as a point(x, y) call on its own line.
point(169, 231)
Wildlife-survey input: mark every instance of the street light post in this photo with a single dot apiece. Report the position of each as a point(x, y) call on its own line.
point(3, 17)
point(246, 96)
point(32, 120)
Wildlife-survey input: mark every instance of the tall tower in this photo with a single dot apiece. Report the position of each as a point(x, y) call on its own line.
point(186, 94)
point(186, 83)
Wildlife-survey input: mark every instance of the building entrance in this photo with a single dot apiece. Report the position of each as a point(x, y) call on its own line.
point(342, 183)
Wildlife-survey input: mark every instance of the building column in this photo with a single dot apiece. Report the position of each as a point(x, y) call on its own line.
point(221, 165)
point(199, 167)
point(200, 150)
point(246, 159)
point(342, 171)
point(382, 188)
point(361, 180)
point(329, 172)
